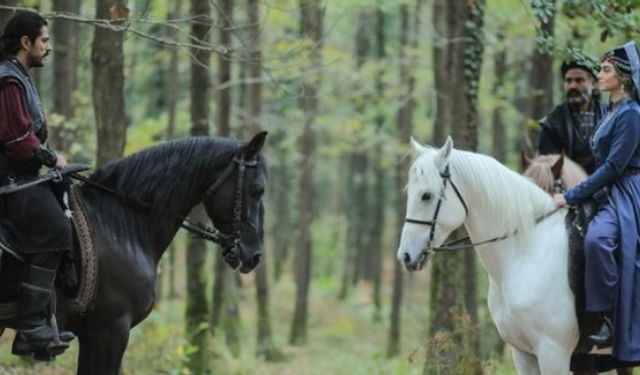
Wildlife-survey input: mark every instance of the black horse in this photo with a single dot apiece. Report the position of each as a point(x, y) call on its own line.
point(166, 182)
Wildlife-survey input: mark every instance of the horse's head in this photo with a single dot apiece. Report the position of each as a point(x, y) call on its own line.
point(435, 207)
point(554, 173)
point(235, 205)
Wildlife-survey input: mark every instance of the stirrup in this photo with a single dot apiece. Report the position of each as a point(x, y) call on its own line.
point(20, 347)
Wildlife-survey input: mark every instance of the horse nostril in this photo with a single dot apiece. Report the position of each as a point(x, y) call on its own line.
point(406, 258)
point(256, 258)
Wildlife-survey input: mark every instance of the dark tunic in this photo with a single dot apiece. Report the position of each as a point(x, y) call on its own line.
point(560, 132)
point(34, 218)
point(612, 246)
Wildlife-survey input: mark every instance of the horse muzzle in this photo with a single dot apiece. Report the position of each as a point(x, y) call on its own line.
point(418, 263)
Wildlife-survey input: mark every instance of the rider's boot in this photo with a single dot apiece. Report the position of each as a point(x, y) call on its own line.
point(603, 337)
point(35, 335)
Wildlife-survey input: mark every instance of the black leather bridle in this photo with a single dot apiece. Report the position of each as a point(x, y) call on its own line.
point(453, 245)
point(446, 177)
point(231, 242)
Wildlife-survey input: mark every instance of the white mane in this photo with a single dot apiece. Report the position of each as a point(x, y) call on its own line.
point(514, 201)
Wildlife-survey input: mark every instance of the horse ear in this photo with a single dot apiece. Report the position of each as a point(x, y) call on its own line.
point(417, 147)
point(442, 157)
point(556, 169)
point(525, 160)
point(255, 145)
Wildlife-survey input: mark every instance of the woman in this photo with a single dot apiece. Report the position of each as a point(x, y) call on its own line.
point(611, 244)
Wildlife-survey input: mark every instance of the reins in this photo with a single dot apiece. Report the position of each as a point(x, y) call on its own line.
point(450, 245)
point(229, 242)
point(199, 229)
point(453, 245)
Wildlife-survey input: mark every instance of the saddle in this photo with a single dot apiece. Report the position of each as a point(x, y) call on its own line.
point(76, 281)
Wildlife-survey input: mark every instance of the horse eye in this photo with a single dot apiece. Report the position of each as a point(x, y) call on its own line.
point(257, 190)
point(426, 197)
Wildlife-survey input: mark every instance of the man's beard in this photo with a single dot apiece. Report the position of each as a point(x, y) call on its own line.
point(36, 62)
point(575, 97)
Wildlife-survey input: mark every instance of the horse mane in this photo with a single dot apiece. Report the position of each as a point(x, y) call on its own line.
point(515, 202)
point(166, 174)
point(539, 171)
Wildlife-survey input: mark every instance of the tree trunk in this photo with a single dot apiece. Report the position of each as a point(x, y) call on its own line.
point(373, 264)
point(453, 285)
point(217, 299)
point(281, 191)
point(197, 311)
point(65, 63)
point(472, 62)
point(540, 93)
point(498, 131)
point(225, 14)
point(171, 95)
point(224, 107)
point(265, 345)
point(5, 15)
point(311, 30)
point(357, 181)
point(231, 321)
point(404, 123)
point(108, 83)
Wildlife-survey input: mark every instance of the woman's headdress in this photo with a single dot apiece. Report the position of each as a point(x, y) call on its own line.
point(626, 61)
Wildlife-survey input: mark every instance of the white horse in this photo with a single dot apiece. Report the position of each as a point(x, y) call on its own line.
point(529, 296)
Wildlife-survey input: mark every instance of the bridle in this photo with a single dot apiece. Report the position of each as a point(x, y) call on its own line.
point(230, 242)
point(446, 178)
point(453, 245)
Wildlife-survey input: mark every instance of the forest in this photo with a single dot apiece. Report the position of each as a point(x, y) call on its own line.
point(340, 86)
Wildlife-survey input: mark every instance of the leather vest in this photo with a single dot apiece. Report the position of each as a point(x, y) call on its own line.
point(11, 68)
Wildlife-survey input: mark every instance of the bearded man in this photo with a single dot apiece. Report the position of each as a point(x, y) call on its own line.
point(570, 125)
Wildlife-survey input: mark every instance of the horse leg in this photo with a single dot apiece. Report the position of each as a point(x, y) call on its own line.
point(526, 364)
point(554, 359)
point(102, 349)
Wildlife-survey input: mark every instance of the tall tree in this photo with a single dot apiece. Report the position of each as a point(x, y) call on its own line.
point(223, 114)
point(404, 124)
point(65, 62)
point(171, 99)
point(311, 16)
point(372, 263)
point(6, 14)
point(457, 69)
point(357, 181)
point(472, 62)
point(499, 139)
point(197, 311)
point(108, 80)
point(265, 345)
point(540, 93)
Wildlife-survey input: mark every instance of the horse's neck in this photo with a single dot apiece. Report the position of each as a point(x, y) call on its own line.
point(143, 228)
point(500, 258)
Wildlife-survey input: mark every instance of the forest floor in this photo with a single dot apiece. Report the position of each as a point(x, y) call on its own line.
point(343, 336)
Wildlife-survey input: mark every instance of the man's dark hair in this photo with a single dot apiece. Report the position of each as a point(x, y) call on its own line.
point(23, 23)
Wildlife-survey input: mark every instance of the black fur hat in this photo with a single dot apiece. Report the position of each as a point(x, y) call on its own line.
point(573, 64)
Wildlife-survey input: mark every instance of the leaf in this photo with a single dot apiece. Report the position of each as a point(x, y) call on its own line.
point(119, 12)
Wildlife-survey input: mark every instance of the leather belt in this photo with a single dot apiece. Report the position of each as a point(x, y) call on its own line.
point(631, 171)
